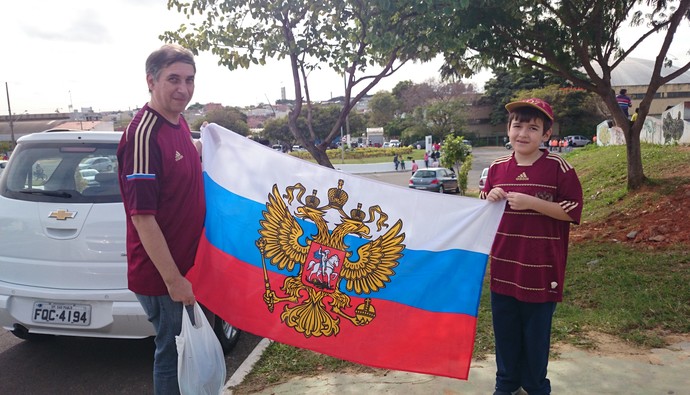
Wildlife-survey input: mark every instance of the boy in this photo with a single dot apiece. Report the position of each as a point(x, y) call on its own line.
point(529, 254)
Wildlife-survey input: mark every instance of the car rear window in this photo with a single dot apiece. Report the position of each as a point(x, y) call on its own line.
point(54, 172)
point(425, 174)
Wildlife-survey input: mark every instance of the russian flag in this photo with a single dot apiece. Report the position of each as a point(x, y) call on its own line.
point(343, 265)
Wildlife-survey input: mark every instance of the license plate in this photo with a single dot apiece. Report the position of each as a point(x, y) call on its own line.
point(62, 313)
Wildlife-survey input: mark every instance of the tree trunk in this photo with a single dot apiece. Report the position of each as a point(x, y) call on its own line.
point(320, 155)
point(636, 177)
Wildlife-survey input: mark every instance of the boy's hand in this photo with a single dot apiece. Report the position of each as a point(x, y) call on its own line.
point(496, 194)
point(520, 201)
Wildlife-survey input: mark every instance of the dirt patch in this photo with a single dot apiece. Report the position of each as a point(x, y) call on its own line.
point(665, 223)
point(612, 346)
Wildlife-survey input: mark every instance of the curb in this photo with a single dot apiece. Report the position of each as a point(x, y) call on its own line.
point(246, 366)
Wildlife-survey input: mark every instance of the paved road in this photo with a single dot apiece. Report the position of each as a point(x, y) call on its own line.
point(481, 158)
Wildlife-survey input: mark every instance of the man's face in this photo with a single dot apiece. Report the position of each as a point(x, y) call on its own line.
point(173, 89)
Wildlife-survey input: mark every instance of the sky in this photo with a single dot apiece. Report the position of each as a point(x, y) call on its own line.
point(85, 53)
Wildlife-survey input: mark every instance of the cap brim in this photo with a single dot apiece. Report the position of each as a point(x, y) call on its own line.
point(517, 104)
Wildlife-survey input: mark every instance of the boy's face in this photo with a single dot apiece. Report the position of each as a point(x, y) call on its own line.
point(527, 137)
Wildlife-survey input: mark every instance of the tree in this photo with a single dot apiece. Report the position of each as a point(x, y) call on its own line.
point(277, 130)
point(500, 90)
point(346, 35)
point(561, 37)
point(455, 154)
point(576, 110)
point(446, 117)
point(382, 107)
point(228, 117)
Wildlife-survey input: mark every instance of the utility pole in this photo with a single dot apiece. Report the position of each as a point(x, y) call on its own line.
point(9, 109)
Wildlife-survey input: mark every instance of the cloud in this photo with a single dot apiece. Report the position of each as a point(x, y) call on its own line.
point(86, 27)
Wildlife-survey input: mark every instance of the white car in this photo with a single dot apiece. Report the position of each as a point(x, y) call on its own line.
point(483, 177)
point(88, 174)
point(97, 163)
point(577, 141)
point(63, 264)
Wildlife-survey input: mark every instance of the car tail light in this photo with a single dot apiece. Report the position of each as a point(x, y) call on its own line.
point(434, 181)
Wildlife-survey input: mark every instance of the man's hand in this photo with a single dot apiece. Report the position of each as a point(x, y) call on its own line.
point(180, 290)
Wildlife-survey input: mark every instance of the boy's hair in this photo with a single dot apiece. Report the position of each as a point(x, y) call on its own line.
point(526, 114)
point(623, 91)
point(167, 55)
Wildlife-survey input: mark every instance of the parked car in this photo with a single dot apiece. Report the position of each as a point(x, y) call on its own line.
point(419, 144)
point(436, 179)
point(577, 141)
point(508, 145)
point(101, 164)
point(482, 178)
point(63, 265)
point(89, 175)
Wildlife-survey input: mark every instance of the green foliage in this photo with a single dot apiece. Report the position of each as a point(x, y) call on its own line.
point(446, 117)
point(454, 153)
point(382, 109)
point(462, 175)
point(323, 118)
point(348, 37)
point(228, 117)
point(507, 81)
point(576, 110)
point(560, 38)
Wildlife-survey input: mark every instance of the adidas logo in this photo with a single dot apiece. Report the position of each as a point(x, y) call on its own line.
point(522, 177)
point(178, 156)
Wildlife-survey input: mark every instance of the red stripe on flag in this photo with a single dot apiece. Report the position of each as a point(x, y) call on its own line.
point(400, 337)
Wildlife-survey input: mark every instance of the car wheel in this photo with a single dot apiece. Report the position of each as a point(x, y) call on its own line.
point(440, 189)
point(23, 333)
point(227, 334)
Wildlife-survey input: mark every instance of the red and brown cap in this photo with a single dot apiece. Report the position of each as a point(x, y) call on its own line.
point(533, 102)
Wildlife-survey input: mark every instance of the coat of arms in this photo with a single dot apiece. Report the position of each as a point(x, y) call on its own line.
point(313, 301)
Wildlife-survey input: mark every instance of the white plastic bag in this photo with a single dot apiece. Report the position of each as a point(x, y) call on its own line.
point(200, 361)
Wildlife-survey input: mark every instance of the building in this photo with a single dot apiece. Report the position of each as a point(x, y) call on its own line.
point(633, 74)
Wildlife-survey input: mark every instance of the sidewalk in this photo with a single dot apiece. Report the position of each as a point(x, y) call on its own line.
point(363, 168)
point(658, 372)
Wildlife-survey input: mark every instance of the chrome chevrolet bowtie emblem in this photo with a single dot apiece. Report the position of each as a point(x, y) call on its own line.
point(62, 214)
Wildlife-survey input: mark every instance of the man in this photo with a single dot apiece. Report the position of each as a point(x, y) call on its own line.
point(162, 190)
point(624, 102)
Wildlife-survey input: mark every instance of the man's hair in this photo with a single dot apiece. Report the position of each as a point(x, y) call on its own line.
point(167, 55)
point(623, 91)
point(526, 114)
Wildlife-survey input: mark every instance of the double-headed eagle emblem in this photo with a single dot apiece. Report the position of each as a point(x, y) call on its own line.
point(314, 303)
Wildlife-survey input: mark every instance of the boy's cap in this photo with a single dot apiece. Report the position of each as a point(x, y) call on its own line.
point(533, 102)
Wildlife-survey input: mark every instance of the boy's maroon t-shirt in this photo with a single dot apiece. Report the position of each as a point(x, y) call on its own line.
point(160, 174)
point(530, 251)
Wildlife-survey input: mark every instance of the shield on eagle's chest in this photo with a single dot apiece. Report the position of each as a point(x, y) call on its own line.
point(322, 267)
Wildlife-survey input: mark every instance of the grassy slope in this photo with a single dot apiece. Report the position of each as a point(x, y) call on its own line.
point(637, 294)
